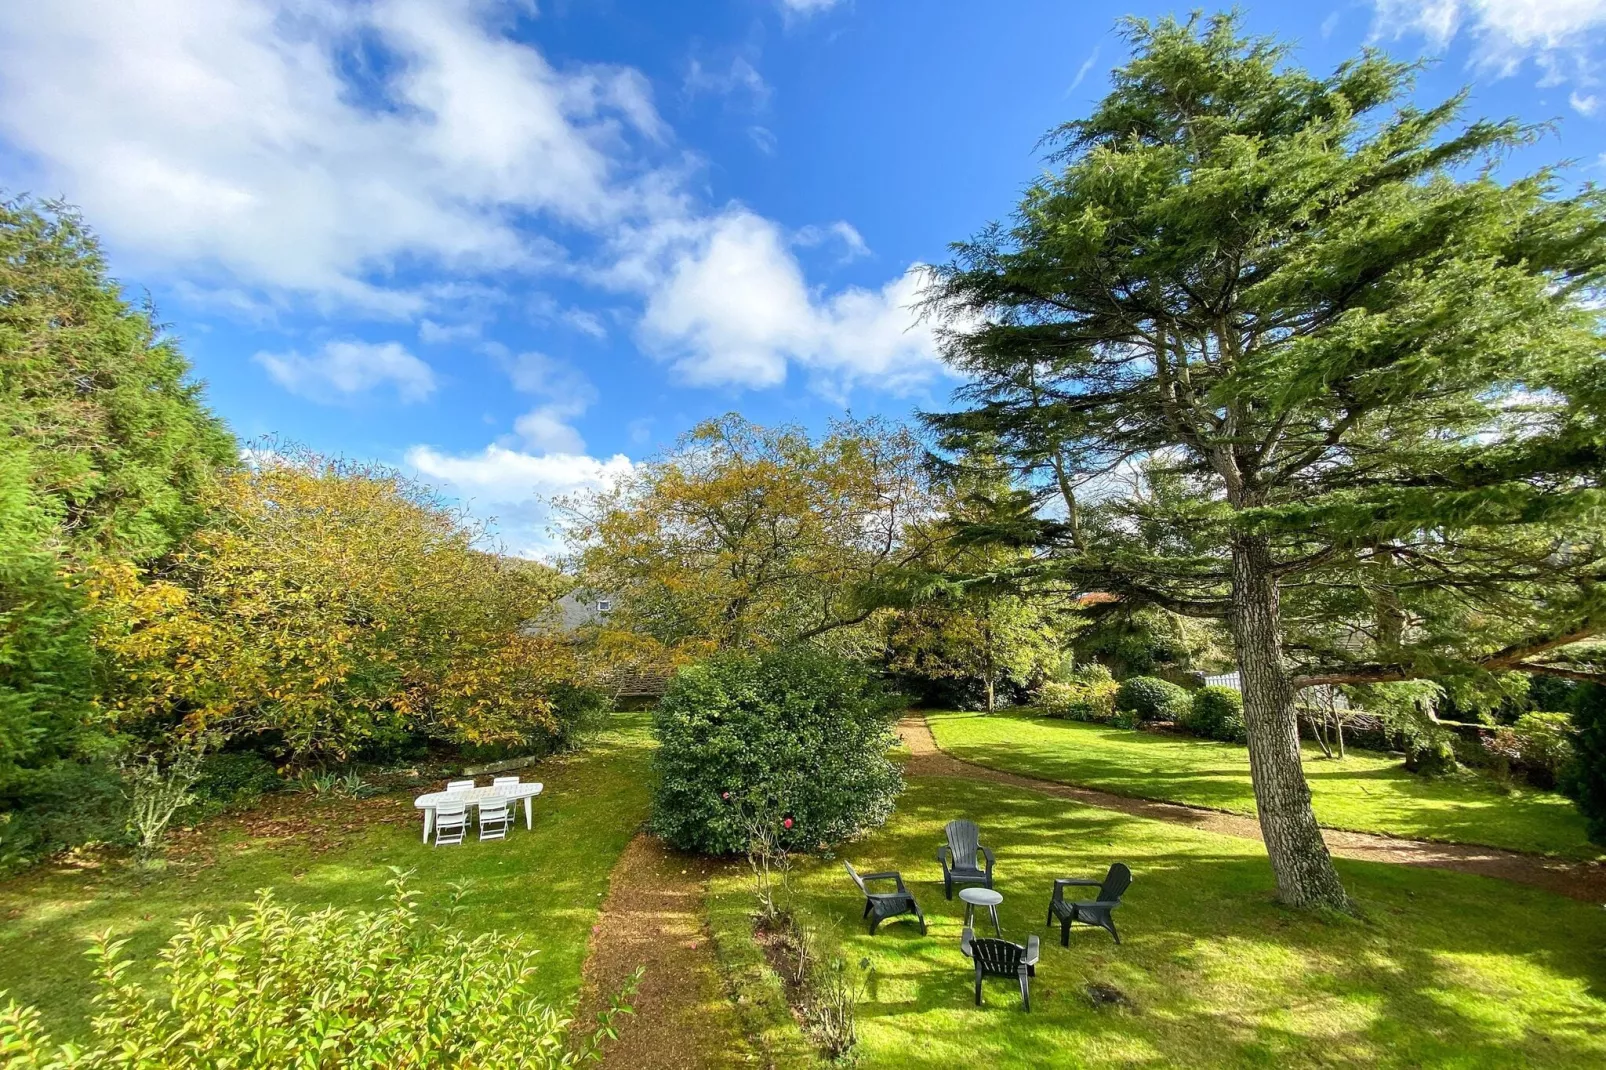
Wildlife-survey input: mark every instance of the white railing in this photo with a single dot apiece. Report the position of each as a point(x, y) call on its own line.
point(1319, 695)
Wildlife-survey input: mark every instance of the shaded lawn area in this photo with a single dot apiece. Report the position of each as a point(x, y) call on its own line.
point(1441, 969)
point(1364, 792)
point(546, 884)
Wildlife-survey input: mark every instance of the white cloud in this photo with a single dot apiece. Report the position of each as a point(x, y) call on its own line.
point(1557, 35)
point(741, 79)
point(1084, 70)
point(1583, 103)
point(806, 7)
point(732, 307)
point(434, 334)
point(228, 134)
point(763, 139)
point(568, 394)
point(344, 370)
point(853, 245)
point(517, 485)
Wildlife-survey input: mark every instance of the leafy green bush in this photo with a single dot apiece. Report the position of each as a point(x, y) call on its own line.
point(279, 987)
point(796, 732)
point(1585, 781)
point(1086, 693)
point(231, 780)
point(1217, 713)
point(61, 805)
point(1152, 699)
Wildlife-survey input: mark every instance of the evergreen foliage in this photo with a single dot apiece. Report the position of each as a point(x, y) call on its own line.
point(1152, 698)
point(105, 448)
point(1217, 713)
point(1355, 374)
point(797, 733)
point(1585, 781)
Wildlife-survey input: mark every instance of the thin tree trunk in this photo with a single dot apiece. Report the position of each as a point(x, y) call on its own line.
point(1338, 726)
point(1299, 858)
point(990, 704)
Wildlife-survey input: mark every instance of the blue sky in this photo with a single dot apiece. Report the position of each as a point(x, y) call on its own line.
point(515, 247)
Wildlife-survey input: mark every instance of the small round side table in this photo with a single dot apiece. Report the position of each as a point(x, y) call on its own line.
point(981, 897)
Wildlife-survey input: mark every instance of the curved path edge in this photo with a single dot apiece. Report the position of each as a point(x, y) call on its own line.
point(1584, 881)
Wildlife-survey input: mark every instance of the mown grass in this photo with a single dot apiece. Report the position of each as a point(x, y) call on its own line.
point(545, 884)
point(1365, 792)
point(1439, 969)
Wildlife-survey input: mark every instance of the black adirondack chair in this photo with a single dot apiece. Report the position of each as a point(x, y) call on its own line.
point(879, 906)
point(958, 858)
point(1002, 958)
point(1091, 911)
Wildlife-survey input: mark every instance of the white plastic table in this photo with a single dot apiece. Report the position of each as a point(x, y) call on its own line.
point(981, 897)
point(474, 797)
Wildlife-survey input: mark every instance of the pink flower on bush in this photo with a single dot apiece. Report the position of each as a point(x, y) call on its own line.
point(724, 795)
point(787, 823)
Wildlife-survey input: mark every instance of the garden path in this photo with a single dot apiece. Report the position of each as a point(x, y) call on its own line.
point(1585, 881)
point(652, 918)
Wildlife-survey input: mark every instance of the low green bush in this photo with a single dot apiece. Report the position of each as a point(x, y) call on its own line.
point(1087, 693)
point(282, 987)
point(60, 805)
point(1545, 746)
point(1217, 713)
point(231, 780)
point(797, 733)
point(1152, 699)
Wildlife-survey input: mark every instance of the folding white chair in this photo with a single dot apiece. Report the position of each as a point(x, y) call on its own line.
point(493, 819)
point(450, 824)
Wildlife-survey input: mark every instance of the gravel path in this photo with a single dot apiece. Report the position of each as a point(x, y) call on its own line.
point(1585, 881)
point(652, 918)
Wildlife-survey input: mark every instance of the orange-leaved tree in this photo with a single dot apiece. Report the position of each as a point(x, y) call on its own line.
point(332, 605)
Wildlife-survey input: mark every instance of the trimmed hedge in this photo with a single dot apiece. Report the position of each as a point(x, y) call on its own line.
point(796, 737)
point(1153, 699)
point(1217, 713)
point(1086, 694)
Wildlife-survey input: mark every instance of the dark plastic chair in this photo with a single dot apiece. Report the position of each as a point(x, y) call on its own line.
point(1092, 911)
point(1001, 958)
point(958, 858)
point(879, 906)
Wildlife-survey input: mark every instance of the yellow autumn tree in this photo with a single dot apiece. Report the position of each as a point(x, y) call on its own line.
point(747, 536)
point(332, 604)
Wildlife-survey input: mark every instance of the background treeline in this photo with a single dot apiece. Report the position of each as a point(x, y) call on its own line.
point(164, 592)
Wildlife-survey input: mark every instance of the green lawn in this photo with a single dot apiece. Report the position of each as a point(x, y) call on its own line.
point(1441, 969)
point(546, 884)
point(1366, 792)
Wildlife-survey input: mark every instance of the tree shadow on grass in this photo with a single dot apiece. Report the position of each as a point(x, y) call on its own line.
point(1439, 968)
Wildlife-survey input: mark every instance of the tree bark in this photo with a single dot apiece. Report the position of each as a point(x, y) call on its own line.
point(1299, 858)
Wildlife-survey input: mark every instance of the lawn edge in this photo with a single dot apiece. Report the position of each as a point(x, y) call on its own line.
point(1557, 856)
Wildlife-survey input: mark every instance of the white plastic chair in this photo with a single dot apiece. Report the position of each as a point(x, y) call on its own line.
point(459, 785)
point(494, 820)
point(450, 824)
point(506, 782)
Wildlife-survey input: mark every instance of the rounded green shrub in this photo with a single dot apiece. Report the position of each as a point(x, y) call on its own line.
point(1152, 699)
point(1217, 713)
point(797, 738)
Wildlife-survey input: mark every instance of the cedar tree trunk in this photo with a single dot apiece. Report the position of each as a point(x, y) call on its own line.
point(1299, 858)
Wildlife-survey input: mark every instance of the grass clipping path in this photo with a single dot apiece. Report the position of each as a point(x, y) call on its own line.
point(652, 918)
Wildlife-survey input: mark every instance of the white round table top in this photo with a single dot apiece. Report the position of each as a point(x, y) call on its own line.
point(981, 897)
